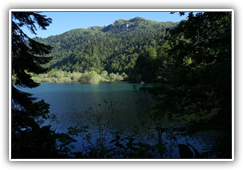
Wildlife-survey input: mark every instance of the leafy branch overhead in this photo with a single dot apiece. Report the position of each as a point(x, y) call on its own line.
point(201, 52)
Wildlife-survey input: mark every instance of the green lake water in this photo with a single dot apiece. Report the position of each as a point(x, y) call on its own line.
point(70, 102)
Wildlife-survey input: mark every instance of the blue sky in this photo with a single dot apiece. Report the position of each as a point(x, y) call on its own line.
point(65, 21)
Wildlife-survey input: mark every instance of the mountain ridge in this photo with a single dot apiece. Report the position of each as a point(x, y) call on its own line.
point(114, 47)
point(115, 23)
point(121, 22)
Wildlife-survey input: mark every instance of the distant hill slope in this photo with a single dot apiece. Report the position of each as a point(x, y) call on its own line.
point(114, 47)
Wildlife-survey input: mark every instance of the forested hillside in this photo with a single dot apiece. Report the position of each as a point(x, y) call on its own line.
point(192, 115)
point(114, 48)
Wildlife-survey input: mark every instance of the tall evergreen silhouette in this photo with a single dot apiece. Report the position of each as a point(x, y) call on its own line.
point(27, 56)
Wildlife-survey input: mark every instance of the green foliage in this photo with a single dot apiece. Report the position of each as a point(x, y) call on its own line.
point(153, 65)
point(200, 96)
point(75, 76)
point(115, 77)
point(195, 57)
point(89, 77)
point(114, 48)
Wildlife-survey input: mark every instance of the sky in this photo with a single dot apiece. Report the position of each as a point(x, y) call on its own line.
point(66, 21)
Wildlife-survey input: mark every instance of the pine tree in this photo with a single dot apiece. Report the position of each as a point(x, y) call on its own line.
point(27, 57)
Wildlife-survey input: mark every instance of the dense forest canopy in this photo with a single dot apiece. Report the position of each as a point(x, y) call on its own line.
point(201, 90)
point(193, 57)
point(113, 48)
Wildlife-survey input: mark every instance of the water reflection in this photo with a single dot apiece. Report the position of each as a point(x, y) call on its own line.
point(71, 102)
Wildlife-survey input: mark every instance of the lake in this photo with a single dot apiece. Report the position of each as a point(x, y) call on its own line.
point(71, 103)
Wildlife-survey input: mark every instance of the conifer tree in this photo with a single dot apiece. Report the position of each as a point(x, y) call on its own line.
point(27, 57)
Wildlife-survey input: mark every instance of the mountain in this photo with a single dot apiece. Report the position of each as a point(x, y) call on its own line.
point(114, 47)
